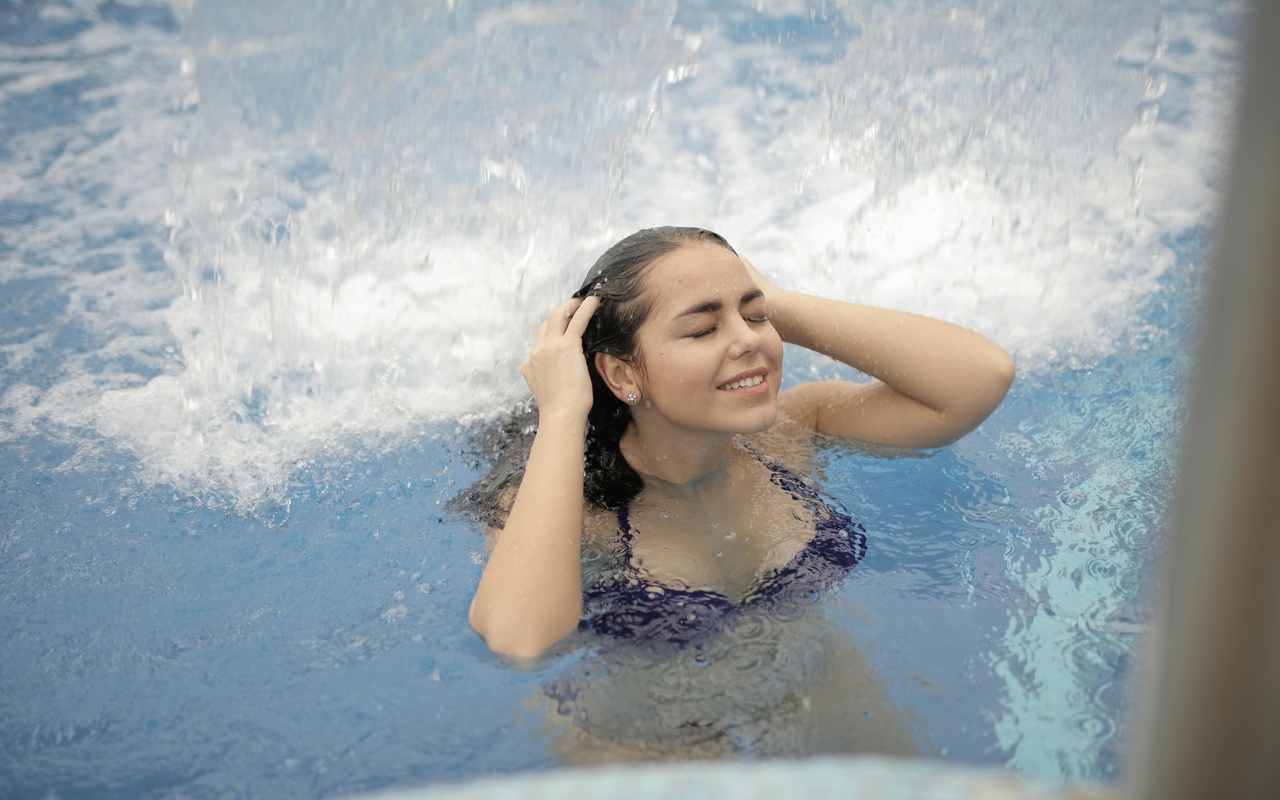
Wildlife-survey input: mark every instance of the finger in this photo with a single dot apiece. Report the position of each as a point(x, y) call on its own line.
point(581, 316)
point(564, 313)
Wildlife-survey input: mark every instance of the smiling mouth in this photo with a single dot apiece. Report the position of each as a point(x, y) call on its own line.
point(745, 383)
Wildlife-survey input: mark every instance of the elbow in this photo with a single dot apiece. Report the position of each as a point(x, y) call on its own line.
point(519, 646)
point(1003, 371)
point(1000, 372)
point(990, 373)
point(519, 641)
point(990, 384)
point(517, 649)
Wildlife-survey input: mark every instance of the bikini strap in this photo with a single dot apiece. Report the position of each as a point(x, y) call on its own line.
point(783, 476)
point(625, 536)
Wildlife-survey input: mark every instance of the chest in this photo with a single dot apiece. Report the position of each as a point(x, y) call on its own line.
point(728, 547)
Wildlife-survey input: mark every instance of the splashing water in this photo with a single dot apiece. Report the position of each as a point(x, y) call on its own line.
point(255, 254)
point(368, 215)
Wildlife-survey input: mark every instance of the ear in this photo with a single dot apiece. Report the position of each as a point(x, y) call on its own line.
point(621, 378)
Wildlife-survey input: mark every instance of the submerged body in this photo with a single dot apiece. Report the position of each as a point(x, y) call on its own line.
point(692, 515)
point(754, 669)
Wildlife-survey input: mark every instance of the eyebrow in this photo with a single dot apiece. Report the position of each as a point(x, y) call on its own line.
point(712, 306)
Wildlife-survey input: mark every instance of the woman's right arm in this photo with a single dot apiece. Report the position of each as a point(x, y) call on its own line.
point(530, 594)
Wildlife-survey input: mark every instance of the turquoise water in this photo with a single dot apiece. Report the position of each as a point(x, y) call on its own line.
point(264, 268)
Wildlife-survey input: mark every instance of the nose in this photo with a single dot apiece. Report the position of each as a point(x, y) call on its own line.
point(746, 340)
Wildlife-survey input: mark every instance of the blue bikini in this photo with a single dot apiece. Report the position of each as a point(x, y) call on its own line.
point(624, 604)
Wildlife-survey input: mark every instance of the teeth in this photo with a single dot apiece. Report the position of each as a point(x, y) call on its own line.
point(745, 382)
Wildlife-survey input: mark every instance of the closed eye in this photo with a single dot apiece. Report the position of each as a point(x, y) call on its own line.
point(754, 319)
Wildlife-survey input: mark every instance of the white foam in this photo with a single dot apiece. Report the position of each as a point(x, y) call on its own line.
point(104, 178)
point(368, 216)
point(963, 165)
point(332, 299)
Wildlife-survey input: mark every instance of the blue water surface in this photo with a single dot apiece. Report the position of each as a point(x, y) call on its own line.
point(159, 641)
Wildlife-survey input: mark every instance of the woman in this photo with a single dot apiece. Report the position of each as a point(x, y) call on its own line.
point(690, 507)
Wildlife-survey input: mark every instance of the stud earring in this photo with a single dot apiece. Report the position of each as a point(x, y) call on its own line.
point(633, 398)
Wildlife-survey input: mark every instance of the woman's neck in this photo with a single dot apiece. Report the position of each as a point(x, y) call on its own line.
point(682, 464)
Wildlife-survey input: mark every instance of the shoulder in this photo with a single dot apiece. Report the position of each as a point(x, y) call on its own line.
point(599, 527)
point(789, 441)
point(805, 402)
point(793, 438)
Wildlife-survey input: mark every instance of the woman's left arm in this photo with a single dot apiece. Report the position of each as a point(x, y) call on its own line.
point(935, 381)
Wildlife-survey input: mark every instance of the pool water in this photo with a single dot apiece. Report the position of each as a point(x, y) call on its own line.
point(265, 267)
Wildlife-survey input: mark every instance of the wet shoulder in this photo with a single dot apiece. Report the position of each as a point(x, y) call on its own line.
point(787, 442)
point(599, 526)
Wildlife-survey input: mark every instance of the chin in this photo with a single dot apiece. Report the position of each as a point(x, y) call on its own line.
point(763, 421)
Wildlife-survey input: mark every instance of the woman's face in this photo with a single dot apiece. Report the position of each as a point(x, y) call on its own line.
point(709, 357)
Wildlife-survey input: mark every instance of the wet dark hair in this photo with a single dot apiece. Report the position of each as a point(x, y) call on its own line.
point(609, 482)
point(617, 279)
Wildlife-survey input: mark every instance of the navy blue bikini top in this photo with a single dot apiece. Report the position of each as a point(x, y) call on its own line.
point(625, 604)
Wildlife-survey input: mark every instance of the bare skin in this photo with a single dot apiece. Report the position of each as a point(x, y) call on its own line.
point(714, 321)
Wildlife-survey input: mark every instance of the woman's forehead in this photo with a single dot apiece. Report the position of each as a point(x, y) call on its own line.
point(694, 273)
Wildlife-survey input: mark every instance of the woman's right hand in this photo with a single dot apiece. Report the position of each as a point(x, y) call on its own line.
point(556, 369)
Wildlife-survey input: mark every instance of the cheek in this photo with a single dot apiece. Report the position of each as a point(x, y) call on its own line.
point(674, 369)
point(773, 346)
point(681, 369)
